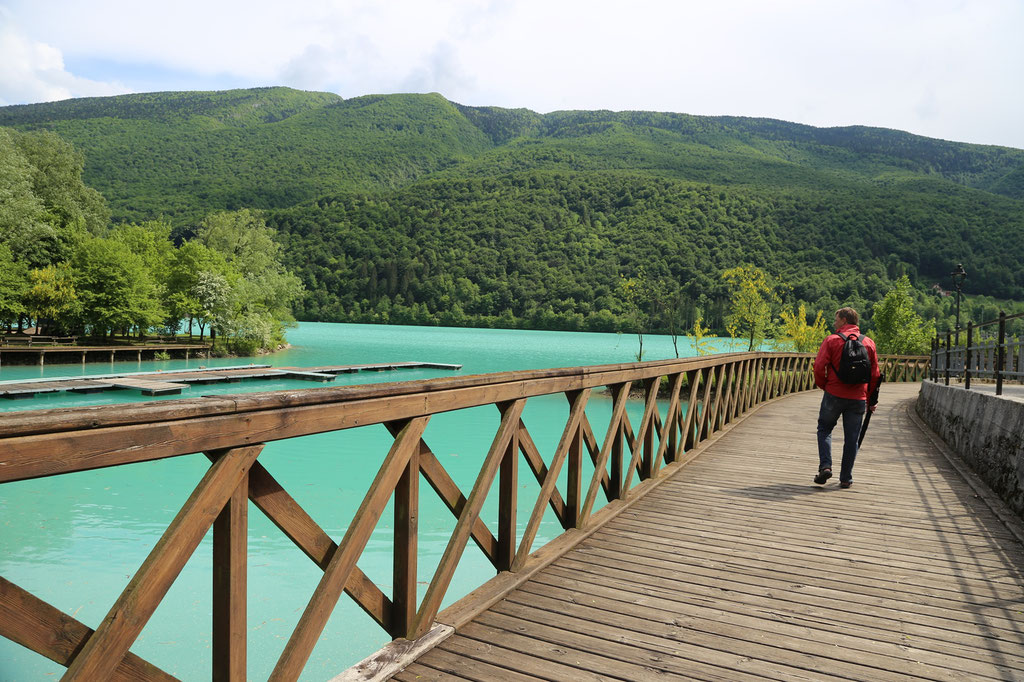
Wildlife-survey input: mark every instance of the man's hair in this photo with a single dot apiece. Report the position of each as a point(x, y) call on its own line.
point(848, 314)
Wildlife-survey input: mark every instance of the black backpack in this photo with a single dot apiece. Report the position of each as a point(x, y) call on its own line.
point(854, 363)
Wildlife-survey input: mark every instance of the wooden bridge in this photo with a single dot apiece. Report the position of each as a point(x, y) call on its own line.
point(737, 567)
point(714, 557)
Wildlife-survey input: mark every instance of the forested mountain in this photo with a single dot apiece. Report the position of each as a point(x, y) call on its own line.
point(414, 208)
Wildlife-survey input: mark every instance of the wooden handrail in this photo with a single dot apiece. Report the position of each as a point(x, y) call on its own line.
point(232, 430)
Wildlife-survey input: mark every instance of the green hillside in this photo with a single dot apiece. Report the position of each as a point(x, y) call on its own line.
point(411, 207)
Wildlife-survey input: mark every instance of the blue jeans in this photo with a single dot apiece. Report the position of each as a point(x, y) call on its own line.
point(852, 412)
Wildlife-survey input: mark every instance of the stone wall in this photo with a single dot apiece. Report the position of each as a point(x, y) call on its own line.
point(985, 430)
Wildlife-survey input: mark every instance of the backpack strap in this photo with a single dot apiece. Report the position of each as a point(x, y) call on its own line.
point(843, 337)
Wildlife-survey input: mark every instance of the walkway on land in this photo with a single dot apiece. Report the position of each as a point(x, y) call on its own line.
point(739, 568)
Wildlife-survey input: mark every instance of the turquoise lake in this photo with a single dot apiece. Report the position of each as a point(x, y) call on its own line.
point(76, 540)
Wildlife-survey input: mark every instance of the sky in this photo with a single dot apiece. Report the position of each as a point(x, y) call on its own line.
point(951, 69)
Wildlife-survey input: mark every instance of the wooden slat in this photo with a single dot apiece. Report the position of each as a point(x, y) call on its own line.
point(540, 470)
point(547, 485)
point(123, 623)
point(671, 420)
point(729, 402)
point(34, 624)
point(651, 387)
point(442, 484)
point(639, 443)
point(590, 440)
point(574, 473)
point(405, 560)
point(690, 425)
point(230, 552)
point(285, 513)
point(470, 513)
point(620, 396)
point(714, 420)
point(325, 597)
point(508, 500)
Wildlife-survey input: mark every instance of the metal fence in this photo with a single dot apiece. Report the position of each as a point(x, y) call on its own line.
point(987, 354)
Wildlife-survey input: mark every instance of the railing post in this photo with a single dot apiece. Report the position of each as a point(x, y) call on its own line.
point(508, 485)
point(949, 337)
point(230, 552)
point(615, 471)
point(967, 355)
point(1000, 353)
point(405, 568)
point(647, 461)
point(574, 477)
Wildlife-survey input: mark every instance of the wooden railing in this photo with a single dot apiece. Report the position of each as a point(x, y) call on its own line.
point(36, 340)
point(232, 430)
point(904, 368)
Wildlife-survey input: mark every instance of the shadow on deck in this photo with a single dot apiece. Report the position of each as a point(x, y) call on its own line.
point(738, 567)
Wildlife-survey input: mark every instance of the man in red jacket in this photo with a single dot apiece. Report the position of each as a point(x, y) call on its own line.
point(842, 399)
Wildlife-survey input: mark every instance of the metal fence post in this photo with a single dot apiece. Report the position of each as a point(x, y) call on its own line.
point(949, 337)
point(1000, 353)
point(932, 371)
point(967, 355)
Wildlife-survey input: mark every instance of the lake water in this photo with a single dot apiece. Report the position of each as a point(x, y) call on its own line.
point(76, 540)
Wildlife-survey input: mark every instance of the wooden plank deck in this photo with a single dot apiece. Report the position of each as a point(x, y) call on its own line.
point(738, 567)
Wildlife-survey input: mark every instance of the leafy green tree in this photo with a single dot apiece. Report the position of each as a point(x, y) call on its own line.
point(899, 329)
point(752, 299)
point(262, 294)
point(13, 287)
point(701, 343)
point(187, 264)
point(798, 334)
point(116, 290)
point(51, 298)
point(57, 180)
point(216, 306)
point(24, 229)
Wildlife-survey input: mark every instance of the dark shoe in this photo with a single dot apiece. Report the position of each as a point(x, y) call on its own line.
point(823, 475)
point(845, 484)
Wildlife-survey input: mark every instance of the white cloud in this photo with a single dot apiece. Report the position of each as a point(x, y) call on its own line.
point(32, 71)
point(945, 68)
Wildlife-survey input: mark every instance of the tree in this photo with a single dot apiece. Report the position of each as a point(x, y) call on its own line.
point(676, 307)
point(51, 298)
point(701, 344)
point(13, 286)
point(56, 179)
point(187, 264)
point(116, 290)
point(212, 293)
point(803, 337)
point(898, 329)
point(262, 294)
point(642, 297)
point(24, 229)
point(752, 299)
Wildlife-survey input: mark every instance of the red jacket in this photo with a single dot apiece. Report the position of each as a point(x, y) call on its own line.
point(828, 360)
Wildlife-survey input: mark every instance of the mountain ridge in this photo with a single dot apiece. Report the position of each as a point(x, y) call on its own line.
point(374, 197)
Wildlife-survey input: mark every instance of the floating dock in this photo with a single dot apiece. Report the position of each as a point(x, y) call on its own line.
point(172, 382)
